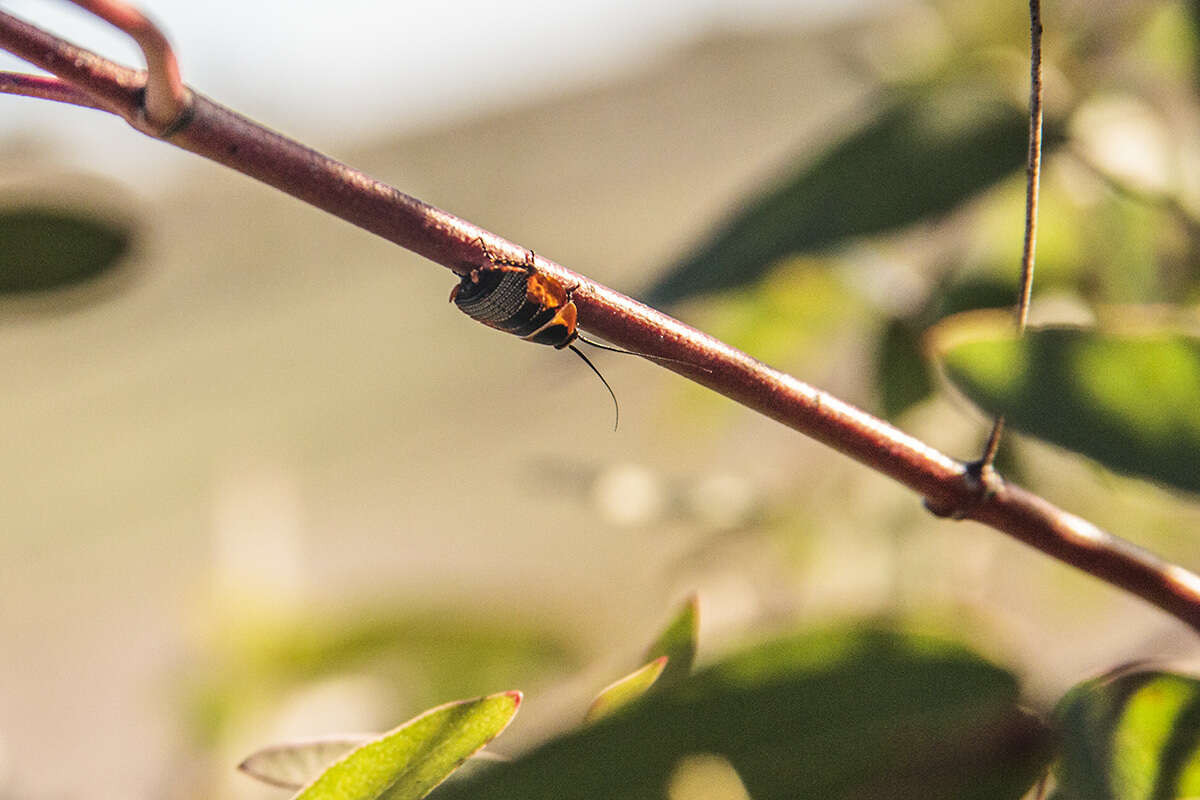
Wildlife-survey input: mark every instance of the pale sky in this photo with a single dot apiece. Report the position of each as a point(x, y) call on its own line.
point(318, 70)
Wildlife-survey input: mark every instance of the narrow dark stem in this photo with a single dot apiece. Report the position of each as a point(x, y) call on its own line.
point(993, 444)
point(1033, 167)
point(1033, 172)
point(948, 486)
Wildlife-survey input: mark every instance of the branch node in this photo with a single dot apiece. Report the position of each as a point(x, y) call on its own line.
point(981, 481)
point(142, 121)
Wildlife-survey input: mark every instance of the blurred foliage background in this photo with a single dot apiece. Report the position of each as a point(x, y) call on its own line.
point(262, 481)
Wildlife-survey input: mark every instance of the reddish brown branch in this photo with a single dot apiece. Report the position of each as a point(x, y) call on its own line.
point(947, 485)
point(1040, 524)
point(166, 97)
point(44, 88)
point(153, 101)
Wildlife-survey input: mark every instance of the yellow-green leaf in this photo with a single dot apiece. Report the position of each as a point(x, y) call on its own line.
point(292, 765)
point(1130, 736)
point(410, 761)
point(678, 642)
point(624, 691)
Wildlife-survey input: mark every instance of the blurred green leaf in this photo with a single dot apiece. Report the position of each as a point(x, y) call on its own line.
point(678, 643)
point(900, 369)
point(407, 763)
point(47, 248)
point(1130, 736)
point(1128, 237)
point(1168, 40)
point(975, 293)
point(902, 373)
point(1128, 400)
point(1193, 11)
point(848, 713)
point(625, 690)
point(921, 157)
point(791, 314)
point(260, 659)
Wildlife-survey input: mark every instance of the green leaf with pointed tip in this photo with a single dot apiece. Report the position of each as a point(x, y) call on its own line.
point(409, 762)
point(921, 157)
point(47, 248)
point(624, 691)
point(1128, 400)
point(1130, 736)
point(846, 713)
point(292, 765)
point(678, 643)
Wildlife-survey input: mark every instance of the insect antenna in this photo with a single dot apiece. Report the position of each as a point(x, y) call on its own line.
point(616, 405)
point(611, 349)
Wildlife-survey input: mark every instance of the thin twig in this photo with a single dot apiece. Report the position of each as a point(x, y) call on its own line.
point(947, 485)
point(44, 88)
point(985, 462)
point(1033, 172)
point(1033, 168)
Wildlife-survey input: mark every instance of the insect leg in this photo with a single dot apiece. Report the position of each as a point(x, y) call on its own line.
point(528, 263)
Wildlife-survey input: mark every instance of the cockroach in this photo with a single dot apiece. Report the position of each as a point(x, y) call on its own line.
point(515, 297)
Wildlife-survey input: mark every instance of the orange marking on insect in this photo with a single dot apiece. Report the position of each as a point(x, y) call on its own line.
point(547, 292)
point(566, 317)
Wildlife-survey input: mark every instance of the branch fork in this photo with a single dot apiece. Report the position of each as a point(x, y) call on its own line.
point(154, 101)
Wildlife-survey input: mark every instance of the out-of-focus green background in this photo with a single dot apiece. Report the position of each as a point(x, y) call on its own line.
point(262, 481)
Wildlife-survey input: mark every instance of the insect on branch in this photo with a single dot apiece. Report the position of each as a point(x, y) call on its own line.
point(157, 103)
